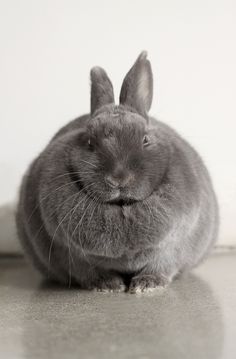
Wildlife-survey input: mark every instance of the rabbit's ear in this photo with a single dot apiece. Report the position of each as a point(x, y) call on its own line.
point(101, 89)
point(137, 87)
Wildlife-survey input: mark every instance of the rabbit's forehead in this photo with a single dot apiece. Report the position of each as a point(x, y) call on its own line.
point(117, 122)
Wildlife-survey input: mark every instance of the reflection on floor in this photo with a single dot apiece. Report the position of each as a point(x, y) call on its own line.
point(194, 318)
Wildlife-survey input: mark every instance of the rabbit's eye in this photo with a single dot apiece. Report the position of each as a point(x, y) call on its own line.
point(146, 141)
point(90, 146)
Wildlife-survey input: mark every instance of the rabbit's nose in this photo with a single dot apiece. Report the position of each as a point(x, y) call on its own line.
point(118, 181)
point(112, 182)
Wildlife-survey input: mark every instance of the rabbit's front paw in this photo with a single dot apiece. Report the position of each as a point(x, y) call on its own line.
point(109, 284)
point(147, 283)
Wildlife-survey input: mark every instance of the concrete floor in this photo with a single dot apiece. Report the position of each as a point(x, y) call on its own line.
point(194, 318)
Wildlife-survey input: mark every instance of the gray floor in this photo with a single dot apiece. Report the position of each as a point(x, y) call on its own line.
point(194, 318)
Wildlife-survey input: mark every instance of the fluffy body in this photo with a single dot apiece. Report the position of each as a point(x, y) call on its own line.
point(101, 209)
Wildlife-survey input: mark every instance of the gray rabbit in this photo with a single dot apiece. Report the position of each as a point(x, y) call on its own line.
point(117, 200)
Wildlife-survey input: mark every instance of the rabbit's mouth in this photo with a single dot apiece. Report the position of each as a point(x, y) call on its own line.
point(116, 197)
point(121, 201)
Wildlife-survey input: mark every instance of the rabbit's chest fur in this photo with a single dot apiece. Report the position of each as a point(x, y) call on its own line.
point(126, 226)
point(122, 238)
point(132, 234)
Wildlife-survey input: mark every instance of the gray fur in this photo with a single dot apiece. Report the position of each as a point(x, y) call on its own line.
point(137, 87)
point(102, 209)
point(101, 89)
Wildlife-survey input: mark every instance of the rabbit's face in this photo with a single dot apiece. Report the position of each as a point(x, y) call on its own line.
point(118, 160)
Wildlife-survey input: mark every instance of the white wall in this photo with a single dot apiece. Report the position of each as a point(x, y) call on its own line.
point(47, 48)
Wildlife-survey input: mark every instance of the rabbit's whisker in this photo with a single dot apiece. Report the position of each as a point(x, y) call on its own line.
point(69, 223)
point(56, 210)
point(49, 194)
point(80, 223)
point(57, 228)
point(89, 163)
point(72, 173)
